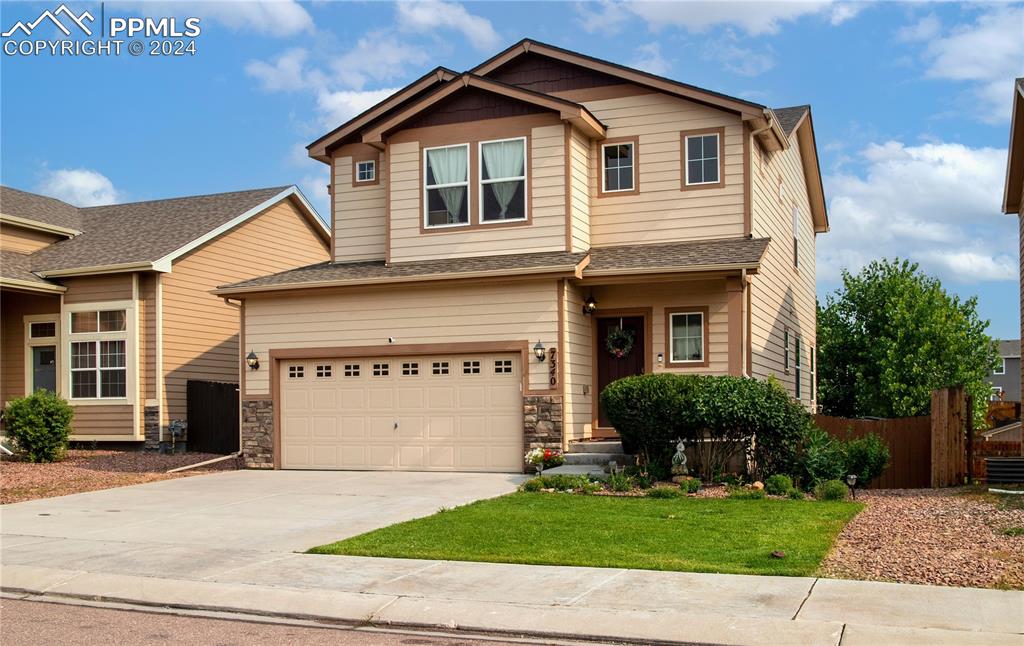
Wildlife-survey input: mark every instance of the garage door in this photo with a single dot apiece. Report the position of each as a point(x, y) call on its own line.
point(448, 413)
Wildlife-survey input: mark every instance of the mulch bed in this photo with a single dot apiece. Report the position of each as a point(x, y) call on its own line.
point(85, 470)
point(953, 537)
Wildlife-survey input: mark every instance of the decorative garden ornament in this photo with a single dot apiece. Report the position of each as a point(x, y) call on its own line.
point(679, 459)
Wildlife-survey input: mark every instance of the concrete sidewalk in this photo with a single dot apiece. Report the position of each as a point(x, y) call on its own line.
point(540, 601)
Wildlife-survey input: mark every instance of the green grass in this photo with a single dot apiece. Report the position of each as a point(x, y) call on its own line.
point(688, 534)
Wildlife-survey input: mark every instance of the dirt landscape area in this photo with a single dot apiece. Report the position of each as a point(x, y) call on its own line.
point(90, 470)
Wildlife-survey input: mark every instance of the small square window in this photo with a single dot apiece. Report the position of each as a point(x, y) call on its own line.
point(296, 372)
point(618, 167)
point(83, 322)
point(351, 370)
point(366, 171)
point(42, 330)
point(503, 367)
point(702, 159)
point(470, 367)
point(440, 368)
point(112, 321)
point(410, 369)
point(323, 371)
point(381, 370)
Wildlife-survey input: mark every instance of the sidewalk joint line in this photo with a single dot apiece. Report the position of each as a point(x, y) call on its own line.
point(808, 596)
point(601, 584)
point(403, 576)
point(276, 559)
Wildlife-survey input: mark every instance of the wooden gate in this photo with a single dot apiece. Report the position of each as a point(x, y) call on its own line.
point(212, 417)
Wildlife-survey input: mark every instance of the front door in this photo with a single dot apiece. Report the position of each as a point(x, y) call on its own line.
point(611, 367)
point(44, 368)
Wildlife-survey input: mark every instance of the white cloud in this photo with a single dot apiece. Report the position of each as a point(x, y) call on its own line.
point(269, 17)
point(988, 54)
point(935, 203)
point(649, 59)
point(338, 107)
point(287, 73)
point(430, 15)
point(377, 56)
point(925, 29)
point(79, 186)
point(737, 59)
point(752, 16)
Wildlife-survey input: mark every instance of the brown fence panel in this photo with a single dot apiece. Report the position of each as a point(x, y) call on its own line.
point(909, 441)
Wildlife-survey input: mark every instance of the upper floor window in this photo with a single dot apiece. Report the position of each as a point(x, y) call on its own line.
point(503, 180)
point(618, 167)
point(446, 186)
point(1001, 367)
point(703, 158)
point(366, 171)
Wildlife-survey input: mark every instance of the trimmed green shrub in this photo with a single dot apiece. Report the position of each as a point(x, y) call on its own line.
point(831, 490)
point(650, 412)
point(39, 425)
point(795, 494)
point(866, 457)
point(664, 492)
point(620, 482)
point(690, 486)
point(743, 493)
point(778, 484)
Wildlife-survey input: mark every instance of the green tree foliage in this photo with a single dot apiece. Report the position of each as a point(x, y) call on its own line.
point(890, 336)
point(40, 425)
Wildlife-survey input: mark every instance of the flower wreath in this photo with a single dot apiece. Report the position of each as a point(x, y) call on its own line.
point(620, 342)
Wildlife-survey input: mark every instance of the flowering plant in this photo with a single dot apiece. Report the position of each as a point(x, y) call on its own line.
point(544, 458)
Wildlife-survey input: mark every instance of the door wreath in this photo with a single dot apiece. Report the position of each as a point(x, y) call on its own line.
point(619, 342)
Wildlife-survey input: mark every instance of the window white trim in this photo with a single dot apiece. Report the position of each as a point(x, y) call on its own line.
point(129, 335)
point(996, 392)
point(373, 170)
point(672, 337)
point(1001, 370)
point(426, 196)
point(686, 157)
point(30, 343)
point(632, 168)
point(522, 178)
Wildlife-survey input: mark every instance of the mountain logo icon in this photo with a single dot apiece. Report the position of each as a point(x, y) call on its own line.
point(55, 18)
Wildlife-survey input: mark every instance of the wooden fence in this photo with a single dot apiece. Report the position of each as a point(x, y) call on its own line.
point(910, 447)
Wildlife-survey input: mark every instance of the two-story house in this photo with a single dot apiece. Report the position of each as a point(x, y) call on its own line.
point(1005, 379)
point(511, 239)
point(110, 306)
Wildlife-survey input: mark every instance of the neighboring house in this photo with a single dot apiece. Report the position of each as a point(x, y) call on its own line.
point(111, 306)
point(1007, 433)
point(1005, 379)
point(1013, 193)
point(511, 239)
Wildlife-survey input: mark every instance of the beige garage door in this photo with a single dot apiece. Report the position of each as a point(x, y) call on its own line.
point(449, 413)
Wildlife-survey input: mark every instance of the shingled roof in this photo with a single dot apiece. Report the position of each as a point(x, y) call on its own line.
point(790, 117)
point(14, 269)
point(691, 256)
point(39, 208)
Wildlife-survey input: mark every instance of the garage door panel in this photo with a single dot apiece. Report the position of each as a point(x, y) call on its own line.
point(456, 412)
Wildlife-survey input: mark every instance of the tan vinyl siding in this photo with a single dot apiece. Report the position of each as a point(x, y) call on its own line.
point(200, 330)
point(460, 313)
point(360, 231)
point(662, 212)
point(103, 420)
point(15, 306)
point(15, 238)
point(93, 289)
point(147, 335)
point(546, 194)
point(578, 358)
point(782, 296)
point(579, 196)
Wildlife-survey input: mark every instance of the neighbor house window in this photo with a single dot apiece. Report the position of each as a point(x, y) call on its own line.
point(503, 180)
point(686, 337)
point(99, 347)
point(703, 159)
point(618, 167)
point(997, 394)
point(366, 171)
point(797, 387)
point(446, 186)
point(796, 236)
point(814, 375)
point(1001, 368)
point(785, 350)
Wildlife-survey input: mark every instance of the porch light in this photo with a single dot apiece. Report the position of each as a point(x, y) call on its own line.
point(252, 360)
point(538, 351)
point(590, 305)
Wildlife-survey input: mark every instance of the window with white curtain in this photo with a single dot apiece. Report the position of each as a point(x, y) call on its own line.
point(687, 337)
point(99, 365)
point(446, 186)
point(503, 180)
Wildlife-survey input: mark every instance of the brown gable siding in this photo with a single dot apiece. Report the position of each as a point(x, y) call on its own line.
point(14, 238)
point(200, 330)
point(543, 74)
point(92, 289)
point(472, 105)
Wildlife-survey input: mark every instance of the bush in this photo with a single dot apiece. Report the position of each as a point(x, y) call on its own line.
point(866, 457)
point(824, 458)
point(743, 493)
point(620, 482)
point(795, 494)
point(690, 486)
point(665, 492)
point(39, 425)
point(831, 490)
point(533, 484)
point(650, 412)
point(778, 484)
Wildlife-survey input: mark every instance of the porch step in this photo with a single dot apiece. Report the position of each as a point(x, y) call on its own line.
point(599, 459)
point(596, 446)
point(576, 470)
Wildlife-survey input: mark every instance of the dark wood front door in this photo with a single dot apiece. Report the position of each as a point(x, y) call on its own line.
point(610, 367)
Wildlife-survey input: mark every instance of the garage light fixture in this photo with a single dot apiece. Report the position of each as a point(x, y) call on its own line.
point(252, 360)
point(538, 351)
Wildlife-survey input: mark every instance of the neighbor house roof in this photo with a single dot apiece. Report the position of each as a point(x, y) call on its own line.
point(1014, 187)
point(15, 272)
point(24, 208)
point(1009, 349)
point(149, 235)
point(789, 118)
point(694, 255)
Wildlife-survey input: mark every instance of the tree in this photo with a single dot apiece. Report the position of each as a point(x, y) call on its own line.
point(890, 336)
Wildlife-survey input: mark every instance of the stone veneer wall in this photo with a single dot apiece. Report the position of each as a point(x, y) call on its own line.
point(542, 422)
point(151, 426)
point(258, 433)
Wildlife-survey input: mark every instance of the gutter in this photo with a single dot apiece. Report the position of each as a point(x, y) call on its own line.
point(158, 265)
point(39, 226)
point(31, 285)
point(677, 269)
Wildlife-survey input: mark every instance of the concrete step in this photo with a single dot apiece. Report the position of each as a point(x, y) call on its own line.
point(601, 459)
point(576, 469)
point(596, 446)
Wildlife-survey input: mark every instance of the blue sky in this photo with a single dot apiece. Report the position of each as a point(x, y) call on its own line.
point(911, 104)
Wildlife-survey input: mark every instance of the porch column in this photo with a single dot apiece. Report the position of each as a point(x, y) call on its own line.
point(734, 296)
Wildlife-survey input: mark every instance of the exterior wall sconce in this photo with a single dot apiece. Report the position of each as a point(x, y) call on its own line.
point(252, 360)
point(661, 358)
point(538, 351)
point(590, 305)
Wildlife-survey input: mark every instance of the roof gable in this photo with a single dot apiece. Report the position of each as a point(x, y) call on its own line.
point(548, 75)
point(472, 104)
point(38, 211)
point(1014, 188)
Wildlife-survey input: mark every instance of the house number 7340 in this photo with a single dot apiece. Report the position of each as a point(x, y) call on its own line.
point(553, 367)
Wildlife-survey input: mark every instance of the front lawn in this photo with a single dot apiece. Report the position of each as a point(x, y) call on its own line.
point(685, 534)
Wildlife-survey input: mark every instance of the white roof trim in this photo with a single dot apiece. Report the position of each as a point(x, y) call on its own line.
point(105, 269)
point(38, 225)
point(234, 222)
point(32, 286)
